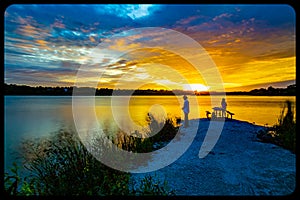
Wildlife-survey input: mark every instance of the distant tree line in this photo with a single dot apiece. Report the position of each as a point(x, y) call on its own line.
point(289, 91)
point(270, 91)
point(13, 89)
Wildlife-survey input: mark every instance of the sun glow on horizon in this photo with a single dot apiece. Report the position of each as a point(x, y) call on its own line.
point(196, 87)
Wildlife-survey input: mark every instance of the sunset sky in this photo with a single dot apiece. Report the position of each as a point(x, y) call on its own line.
point(252, 46)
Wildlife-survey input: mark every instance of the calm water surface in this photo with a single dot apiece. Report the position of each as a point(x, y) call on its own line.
point(37, 116)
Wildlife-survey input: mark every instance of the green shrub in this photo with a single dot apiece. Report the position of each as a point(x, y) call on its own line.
point(152, 186)
point(165, 132)
point(286, 127)
point(168, 131)
point(61, 165)
point(15, 185)
point(11, 182)
point(284, 132)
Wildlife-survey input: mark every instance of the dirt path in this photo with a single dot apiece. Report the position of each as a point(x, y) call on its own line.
point(237, 165)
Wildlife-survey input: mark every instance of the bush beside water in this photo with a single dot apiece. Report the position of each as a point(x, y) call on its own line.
point(165, 132)
point(61, 165)
point(284, 132)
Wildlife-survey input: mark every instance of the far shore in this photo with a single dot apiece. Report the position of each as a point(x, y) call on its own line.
point(67, 95)
point(13, 89)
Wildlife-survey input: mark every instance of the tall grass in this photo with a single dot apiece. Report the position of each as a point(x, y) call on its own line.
point(286, 127)
point(159, 135)
point(150, 186)
point(284, 132)
point(61, 165)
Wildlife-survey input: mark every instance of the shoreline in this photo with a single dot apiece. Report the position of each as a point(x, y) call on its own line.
point(135, 95)
point(239, 164)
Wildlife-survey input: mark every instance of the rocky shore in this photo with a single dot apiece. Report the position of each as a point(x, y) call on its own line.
point(239, 164)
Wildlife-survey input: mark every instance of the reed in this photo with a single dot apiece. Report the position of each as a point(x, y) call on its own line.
point(284, 132)
point(286, 127)
point(61, 165)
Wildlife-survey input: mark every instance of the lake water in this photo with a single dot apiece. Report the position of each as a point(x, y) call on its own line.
point(38, 116)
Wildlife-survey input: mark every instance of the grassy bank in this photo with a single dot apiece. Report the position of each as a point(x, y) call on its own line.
point(61, 165)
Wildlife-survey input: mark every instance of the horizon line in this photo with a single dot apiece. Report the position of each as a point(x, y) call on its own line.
point(153, 89)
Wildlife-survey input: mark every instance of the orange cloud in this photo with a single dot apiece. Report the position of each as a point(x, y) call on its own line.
point(42, 42)
point(92, 39)
point(187, 20)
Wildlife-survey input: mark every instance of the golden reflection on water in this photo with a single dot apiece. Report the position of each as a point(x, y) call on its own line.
point(53, 113)
point(260, 110)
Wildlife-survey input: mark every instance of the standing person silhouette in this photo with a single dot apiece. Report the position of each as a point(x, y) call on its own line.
point(224, 106)
point(186, 110)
